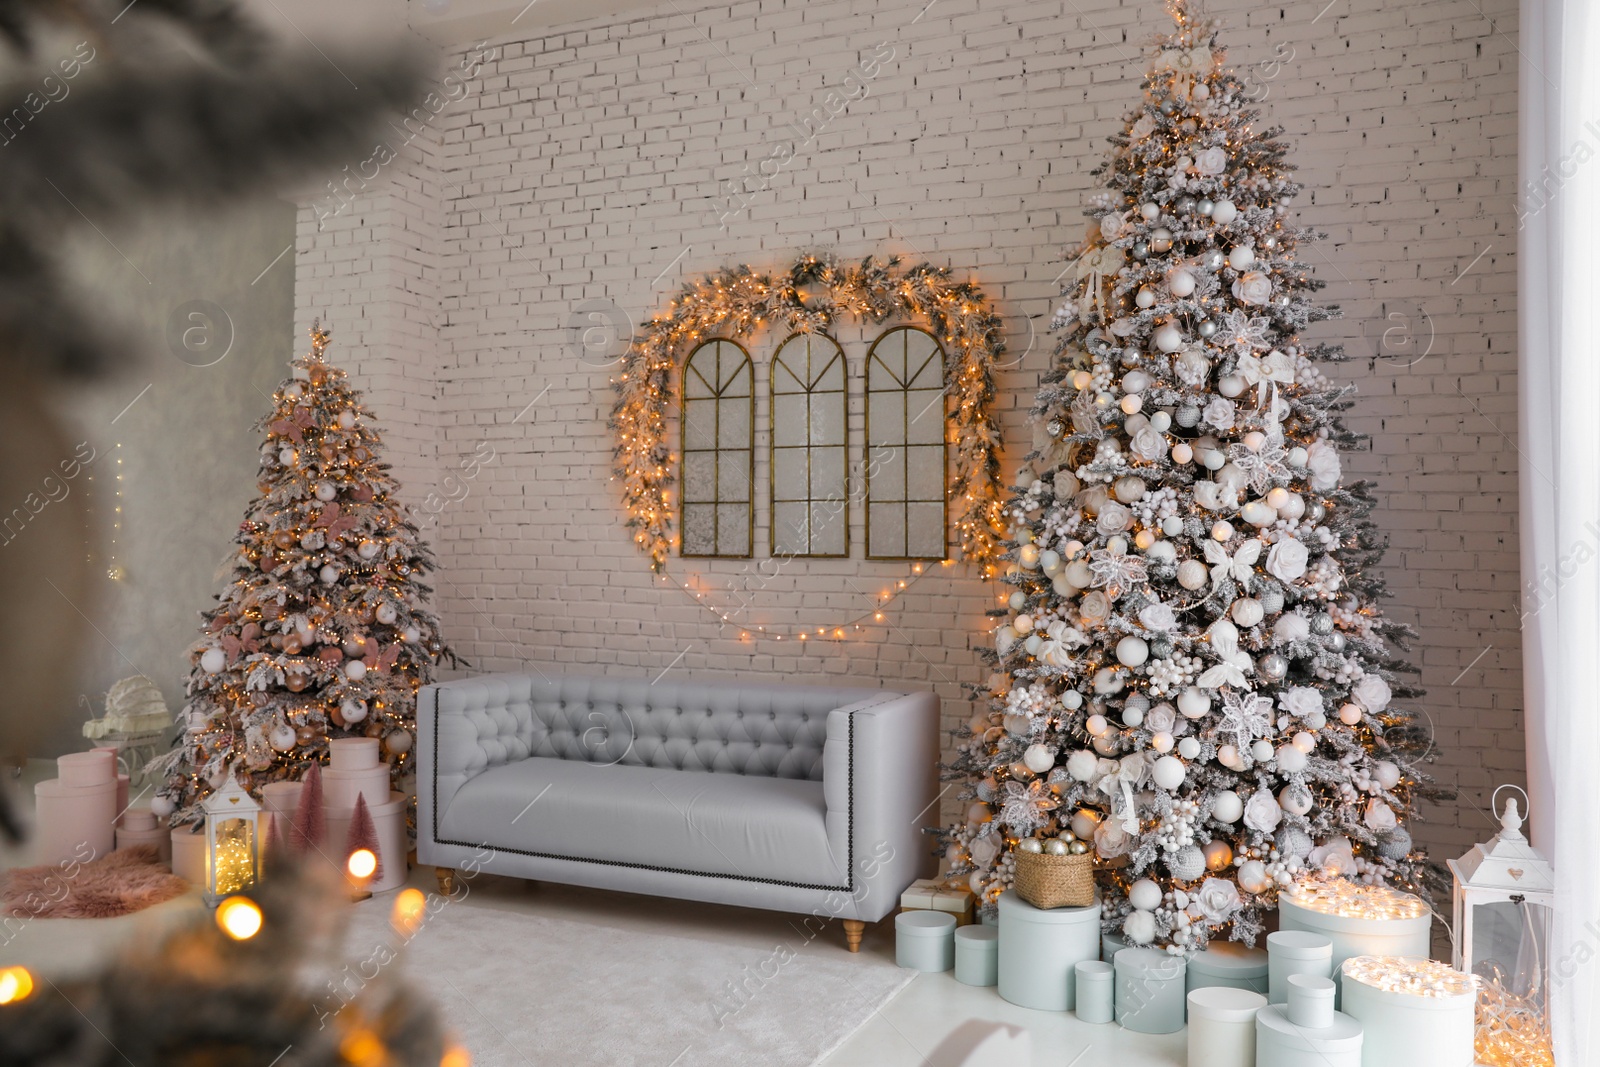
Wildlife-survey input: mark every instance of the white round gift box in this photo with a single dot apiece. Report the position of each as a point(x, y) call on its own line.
point(977, 955)
point(1280, 1043)
point(1150, 991)
point(925, 940)
point(1228, 964)
point(1413, 1011)
point(1039, 949)
point(1222, 1026)
point(1291, 952)
point(74, 822)
point(1359, 920)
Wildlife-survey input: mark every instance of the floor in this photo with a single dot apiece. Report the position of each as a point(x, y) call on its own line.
point(931, 1024)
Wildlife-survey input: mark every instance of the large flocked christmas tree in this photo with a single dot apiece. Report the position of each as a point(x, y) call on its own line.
point(323, 629)
point(1193, 676)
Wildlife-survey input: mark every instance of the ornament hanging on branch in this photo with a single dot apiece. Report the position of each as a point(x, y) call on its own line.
point(1193, 672)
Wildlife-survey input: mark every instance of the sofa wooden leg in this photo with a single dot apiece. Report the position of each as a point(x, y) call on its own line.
point(447, 879)
point(853, 929)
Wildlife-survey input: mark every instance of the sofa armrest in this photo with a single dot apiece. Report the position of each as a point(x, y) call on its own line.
point(881, 783)
point(464, 727)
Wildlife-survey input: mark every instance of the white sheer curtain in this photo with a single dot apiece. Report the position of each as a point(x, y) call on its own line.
point(1558, 287)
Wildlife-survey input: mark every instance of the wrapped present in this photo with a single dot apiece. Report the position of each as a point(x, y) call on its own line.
point(931, 894)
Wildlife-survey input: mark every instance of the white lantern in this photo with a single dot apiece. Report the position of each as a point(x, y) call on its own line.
point(233, 840)
point(1504, 906)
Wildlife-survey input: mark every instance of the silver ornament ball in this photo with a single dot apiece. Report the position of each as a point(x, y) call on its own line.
point(1186, 204)
point(1141, 250)
point(1293, 841)
point(1186, 864)
point(1336, 641)
point(1322, 624)
point(1205, 206)
point(1273, 667)
point(1395, 844)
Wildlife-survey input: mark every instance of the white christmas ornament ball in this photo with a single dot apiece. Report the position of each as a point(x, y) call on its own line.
point(1214, 460)
point(1182, 453)
point(1261, 751)
point(1247, 611)
point(326, 491)
point(1161, 741)
point(1180, 282)
point(1290, 759)
point(1082, 765)
point(1132, 651)
point(1194, 702)
point(1162, 552)
point(1038, 759)
point(1150, 211)
point(1168, 338)
point(411, 634)
point(1221, 530)
point(1294, 507)
point(213, 660)
point(329, 574)
point(1224, 212)
point(1145, 297)
point(347, 419)
point(1255, 440)
point(1030, 844)
point(282, 738)
point(1219, 854)
point(1169, 772)
point(353, 710)
point(287, 457)
point(1240, 257)
point(1145, 895)
point(1227, 807)
point(1192, 574)
point(1295, 801)
point(1277, 498)
point(1028, 556)
point(1186, 864)
point(1259, 514)
point(1253, 876)
point(1131, 404)
point(368, 549)
point(1139, 927)
point(1160, 422)
point(1350, 714)
point(1055, 847)
point(1033, 644)
point(1096, 725)
point(1231, 385)
point(1304, 742)
point(1228, 756)
point(1386, 773)
point(1172, 526)
point(1189, 748)
point(355, 670)
point(1022, 623)
point(1049, 561)
point(385, 614)
point(1017, 599)
point(1079, 574)
point(1132, 715)
point(1084, 823)
point(162, 806)
point(1297, 456)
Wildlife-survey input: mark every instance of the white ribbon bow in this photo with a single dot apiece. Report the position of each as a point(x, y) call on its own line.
point(1241, 567)
point(1187, 63)
point(1094, 265)
point(1235, 664)
point(1131, 770)
point(1266, 373)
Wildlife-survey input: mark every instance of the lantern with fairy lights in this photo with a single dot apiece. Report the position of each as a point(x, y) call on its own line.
point(233, 840)
point(1504, 896)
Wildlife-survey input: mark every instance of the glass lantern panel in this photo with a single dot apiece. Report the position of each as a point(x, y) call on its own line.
point(1510, 945)
point(233, 857)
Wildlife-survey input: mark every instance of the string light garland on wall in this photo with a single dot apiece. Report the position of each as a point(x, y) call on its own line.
point(818, 289)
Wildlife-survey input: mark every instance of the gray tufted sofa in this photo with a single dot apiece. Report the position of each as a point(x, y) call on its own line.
point(788, 797)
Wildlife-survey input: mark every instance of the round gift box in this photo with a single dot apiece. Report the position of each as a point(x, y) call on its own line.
point(1310, 1004)
point(977, 955)
point(1095, 991)
point(1150, 991)
point(1292, 952)
point(70, 820)
point(1039, 948)
point(1354, 935)
point(1409, 1028)
point(159, 836)
point(1228, 964)
point(1280, 1043)
point(352, 753)
point(925, 940)
point(87, 768)
point(189, 856)
point(1222, 1026)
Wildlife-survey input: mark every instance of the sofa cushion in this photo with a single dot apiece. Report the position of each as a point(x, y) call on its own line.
point(777, 731)
point(741, 826)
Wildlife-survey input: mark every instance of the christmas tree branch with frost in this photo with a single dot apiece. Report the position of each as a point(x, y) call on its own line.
point(1194, 679)
point(323, 629)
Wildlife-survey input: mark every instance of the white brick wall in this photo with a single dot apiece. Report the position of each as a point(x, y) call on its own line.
point(588, 160)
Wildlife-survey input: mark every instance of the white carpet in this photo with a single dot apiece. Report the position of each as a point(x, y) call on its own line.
point(523, 990)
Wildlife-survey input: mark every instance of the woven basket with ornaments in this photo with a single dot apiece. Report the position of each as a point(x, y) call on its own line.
point(1055, 873)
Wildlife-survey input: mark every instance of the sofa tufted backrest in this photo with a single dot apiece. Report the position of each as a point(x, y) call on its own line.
point(776, 731)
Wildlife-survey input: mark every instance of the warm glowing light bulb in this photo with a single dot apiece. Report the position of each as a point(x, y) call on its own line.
point(15, 984)
point(239, 918)
point(362, 864)
point(456, 1056)
point(410, 907)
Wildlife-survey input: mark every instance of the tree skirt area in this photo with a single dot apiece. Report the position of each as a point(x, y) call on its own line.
point(118, 883)
point(520, 989)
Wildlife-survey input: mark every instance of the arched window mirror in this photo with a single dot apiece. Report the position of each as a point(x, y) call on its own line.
point(810, 498)
point(718, 452)
point(905, 442)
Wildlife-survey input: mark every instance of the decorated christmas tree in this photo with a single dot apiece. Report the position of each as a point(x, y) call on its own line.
point(323, 629)
point(1194, 678)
